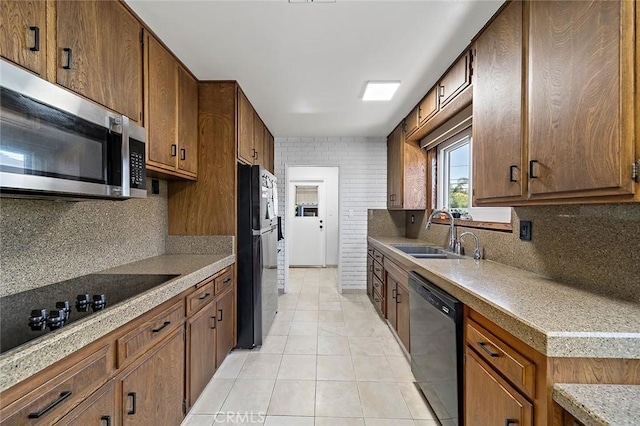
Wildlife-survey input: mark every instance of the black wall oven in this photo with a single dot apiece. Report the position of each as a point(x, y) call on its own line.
point(52, 142)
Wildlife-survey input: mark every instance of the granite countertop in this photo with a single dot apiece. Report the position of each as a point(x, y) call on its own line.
point(600, 405)
point(24, 361)
point(553, 318)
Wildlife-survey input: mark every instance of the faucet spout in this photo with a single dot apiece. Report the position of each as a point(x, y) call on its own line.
point(453, 241)
point(476, 251)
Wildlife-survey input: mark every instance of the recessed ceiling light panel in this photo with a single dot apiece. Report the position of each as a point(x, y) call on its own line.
point(380, 90)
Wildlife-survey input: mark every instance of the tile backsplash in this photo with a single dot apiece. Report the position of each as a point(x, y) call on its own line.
point(594, 247)
point(42, 242)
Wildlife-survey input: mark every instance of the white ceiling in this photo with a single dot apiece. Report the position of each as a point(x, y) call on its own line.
point(303, 66)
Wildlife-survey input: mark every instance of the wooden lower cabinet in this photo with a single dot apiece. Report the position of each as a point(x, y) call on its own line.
point(397, 292)
point(99, 409)
point(224, 326)
point(201, 345)
point(489, 400)
point(152, 388)
point(392, 306)
point(402, 315)
point(369, 275)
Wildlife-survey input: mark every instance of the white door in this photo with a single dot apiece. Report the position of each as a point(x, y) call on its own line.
point(307, 208)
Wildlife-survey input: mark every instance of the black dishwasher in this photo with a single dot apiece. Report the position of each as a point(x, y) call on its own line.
point(436, 347)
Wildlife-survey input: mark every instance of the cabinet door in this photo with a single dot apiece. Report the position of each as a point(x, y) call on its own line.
point(267, 149)
point(187, 122)
point(395, 173)
point(162, 106)
point(258, 140)
point(392, 288)
point(489, 401)
point(272, 153)
point(245, 129)
point(497, 109)
point(224, 327)
point(402, 315)
point(23, 37)
point(153, 390)
point(99, 409)
point(428, 105)
point(412, 120)
point(201, 341)
point(455, 80)
point(369, 275)
point(104, 60)
point(414, 175)
point(581, 98)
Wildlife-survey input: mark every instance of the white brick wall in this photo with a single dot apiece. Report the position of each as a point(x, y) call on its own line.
point(363, 185)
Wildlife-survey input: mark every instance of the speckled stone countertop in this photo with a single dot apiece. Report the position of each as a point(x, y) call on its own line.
point(555, 319)
point(600, 405)
point(26, 360)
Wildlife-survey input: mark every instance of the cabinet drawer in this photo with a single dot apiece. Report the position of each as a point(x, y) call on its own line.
point(138, 340)
point(49, 402)
point(378, 270)
point(378, 301)
point(399, 274)
point(200, 297)
point(370, 251)
point(378, 256)
point(224, 281)
point(515, 367)
point(377, 284)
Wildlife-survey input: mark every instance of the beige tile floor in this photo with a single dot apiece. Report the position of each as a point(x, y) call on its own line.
point(329, 360)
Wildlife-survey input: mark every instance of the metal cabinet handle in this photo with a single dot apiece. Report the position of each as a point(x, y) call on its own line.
point(531, 174)
point(394, 293)
point(220, 313)
point(204, 296)
point(398, 297)
point(511, 169)
point(106, 419)
point(484, 347)
point(441, 91)
point(132, 395)
point(509, 422)
point(226, 281)
point(174, 149)
point(214, 323)
point(183, 154)
point(156, 330)
point(69, 53)
point(63, 395)
point(36, 39)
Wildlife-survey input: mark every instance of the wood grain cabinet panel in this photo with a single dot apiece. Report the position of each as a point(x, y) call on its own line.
point(489, 400)
point(97, 410)
point(412, 121)
point(406, 173)
point(23, 37)
point(390, 297)
point(224, 326)
point(246, 152)
point(99, 54)
point(402, 315)
point(258, 140)
point(187, 122)
point(429, 105)
point(150, 398)
point(201, 350)
point(497, 109)
point(455, 80)
point(581, 98)
point(394, 169)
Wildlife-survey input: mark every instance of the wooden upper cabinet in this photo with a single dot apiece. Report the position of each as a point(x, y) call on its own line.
point(187, 122)
point(162, 98)
point(99, 54)
point(497, 109)
point(428, 106)
point(268, 150)
point(406, 173)
point(581, 98)
point(412, 121)
point(172, 114)
point(489, 400)
point(246, 152)
point(455, 80)
point(258, 140)
point(23, 37)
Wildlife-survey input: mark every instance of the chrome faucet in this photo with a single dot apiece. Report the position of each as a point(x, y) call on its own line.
point(476, 252)
point(453, 241)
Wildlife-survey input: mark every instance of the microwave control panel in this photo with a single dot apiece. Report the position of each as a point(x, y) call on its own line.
point(137, 164)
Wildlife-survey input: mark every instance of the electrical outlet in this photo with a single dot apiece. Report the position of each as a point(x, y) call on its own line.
point(155, 186)
point(525, 230)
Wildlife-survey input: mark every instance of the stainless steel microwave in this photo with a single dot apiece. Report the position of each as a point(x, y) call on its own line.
point(54, 143)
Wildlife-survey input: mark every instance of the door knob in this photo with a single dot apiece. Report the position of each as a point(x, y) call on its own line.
point(320, 226)
point(321, 221)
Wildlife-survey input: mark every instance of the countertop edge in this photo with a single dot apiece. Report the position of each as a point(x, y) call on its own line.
point(18, 365)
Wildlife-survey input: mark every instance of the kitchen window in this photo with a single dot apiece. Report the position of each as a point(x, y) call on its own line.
point(455, 181)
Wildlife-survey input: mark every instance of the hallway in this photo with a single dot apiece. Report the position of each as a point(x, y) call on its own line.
point(329, 360)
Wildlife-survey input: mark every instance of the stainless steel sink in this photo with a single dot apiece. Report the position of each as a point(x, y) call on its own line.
point(425, 252)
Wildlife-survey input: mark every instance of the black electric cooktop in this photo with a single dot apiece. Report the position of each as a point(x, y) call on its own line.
point(31, 314)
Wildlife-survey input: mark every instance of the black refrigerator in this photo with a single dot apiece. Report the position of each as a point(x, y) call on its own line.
point(257, 254)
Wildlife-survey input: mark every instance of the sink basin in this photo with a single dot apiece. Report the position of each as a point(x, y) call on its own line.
point(425, 252)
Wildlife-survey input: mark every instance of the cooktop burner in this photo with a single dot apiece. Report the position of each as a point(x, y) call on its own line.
point(31, 314)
